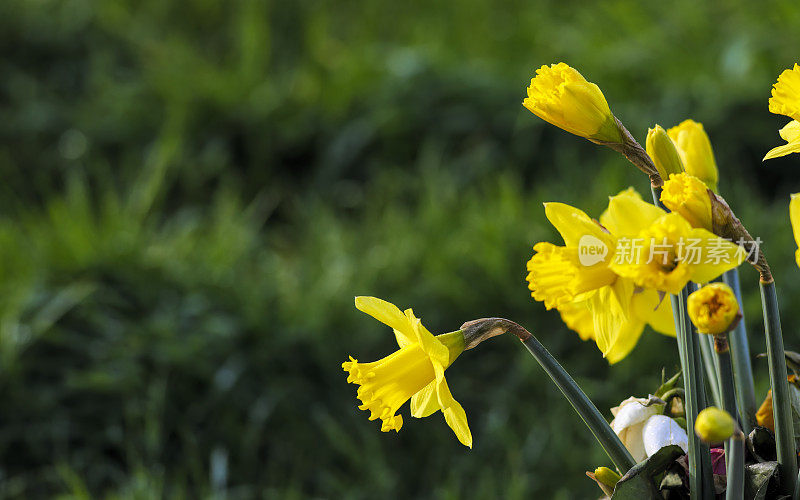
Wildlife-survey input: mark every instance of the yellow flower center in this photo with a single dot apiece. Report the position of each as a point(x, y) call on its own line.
point(556, 275)
point(388, 383)
point(657, 258)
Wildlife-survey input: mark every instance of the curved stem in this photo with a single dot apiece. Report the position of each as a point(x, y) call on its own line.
point(479, 330)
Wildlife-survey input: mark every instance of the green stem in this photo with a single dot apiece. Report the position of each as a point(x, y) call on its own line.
point(699, 458)
point(781, 409)
point(734, 459)
point(740, 356)
point(604, 434)
point(710, 365)
point(734, 448)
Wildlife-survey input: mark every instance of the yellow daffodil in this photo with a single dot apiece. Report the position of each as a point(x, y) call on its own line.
point(688, 196)
point(794, 217)
point(695, 151)
point(663, 152)
point(415, 371)
point(558, 94)
point(714, 425)
point(713, 308)
point(663, 251)
point(785, 98)
point(592, 299)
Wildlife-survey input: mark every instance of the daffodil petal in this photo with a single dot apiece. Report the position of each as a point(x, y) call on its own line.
point(794, 216)
point(792, 147)
point(626, 340)
point(791, 131)
point(577, 317)
point(425, 402)
point(627, 214)
point(718, 256)
point(388, 314)
point(661, 318)
point(573, 223)
point(437, 351)
point(454, 414)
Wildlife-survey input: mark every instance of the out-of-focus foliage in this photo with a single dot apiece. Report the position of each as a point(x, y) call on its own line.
point(193, 192)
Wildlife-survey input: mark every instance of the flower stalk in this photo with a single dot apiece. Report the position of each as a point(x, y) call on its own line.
point(781, 406)
point(688, 349)
point(481, 329)
point(740, 358)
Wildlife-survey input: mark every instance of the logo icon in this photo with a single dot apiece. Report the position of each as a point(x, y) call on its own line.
point(591, 250)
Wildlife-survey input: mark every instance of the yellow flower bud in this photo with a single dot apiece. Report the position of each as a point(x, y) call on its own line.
point(607, 476)
point(785, 98)
point(764, 416)
point(695, 151)
point(713, 308)
point(688, 196)
point(663, 152)
point(558, 94)
point(714, 425)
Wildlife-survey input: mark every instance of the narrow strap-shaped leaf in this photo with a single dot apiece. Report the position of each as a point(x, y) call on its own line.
point(740, 357)
point(781, 406)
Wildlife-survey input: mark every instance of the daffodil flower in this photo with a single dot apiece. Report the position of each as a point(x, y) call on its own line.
point(670, 252)
point(415, 372)
point(713, 308)
point(593, 300)
point(558, 94)
point(785, 100)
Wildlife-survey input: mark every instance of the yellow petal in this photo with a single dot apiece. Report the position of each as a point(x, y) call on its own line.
point(791, 131)
point(626, 340)
point(718, 256)
point(454, 414)
point(785, 98)
point(577, 317)
point(573, 224)
point(661, 318)
point(425, 402)
point(388, 314)
point(794, 217)
point(627, 214)
point(776, 152)
point(433, 347)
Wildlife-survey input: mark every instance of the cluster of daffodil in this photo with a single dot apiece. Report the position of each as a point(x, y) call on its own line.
point(637, 264)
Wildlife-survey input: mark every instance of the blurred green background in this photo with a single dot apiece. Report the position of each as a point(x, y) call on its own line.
point(193, 192)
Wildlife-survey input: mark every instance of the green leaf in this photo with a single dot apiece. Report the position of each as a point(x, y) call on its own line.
point(638, 483)
point(668, 385)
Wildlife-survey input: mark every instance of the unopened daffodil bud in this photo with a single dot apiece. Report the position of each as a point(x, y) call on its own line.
point(714, 425)
point(695, 151)
point(713, 309)
point(607, 476)
point(663, 152)
point(688, 196)
point(558, 94)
